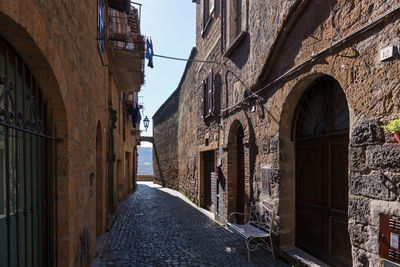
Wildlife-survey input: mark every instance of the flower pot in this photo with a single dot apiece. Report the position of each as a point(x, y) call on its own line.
point(397, 136)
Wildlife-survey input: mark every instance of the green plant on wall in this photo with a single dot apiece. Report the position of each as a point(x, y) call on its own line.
point(393, 126)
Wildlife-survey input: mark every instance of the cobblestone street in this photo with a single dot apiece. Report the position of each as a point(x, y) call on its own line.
point(158, 227)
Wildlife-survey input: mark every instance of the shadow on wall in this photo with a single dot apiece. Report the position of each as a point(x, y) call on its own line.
point(301, 26)
point(157, 161)
point(165, 133)
point(241, 55)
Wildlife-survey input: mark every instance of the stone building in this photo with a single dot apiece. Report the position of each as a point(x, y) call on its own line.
point(69, 76)
point(284, 101)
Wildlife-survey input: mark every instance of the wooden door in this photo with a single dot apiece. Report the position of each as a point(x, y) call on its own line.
point(209, 167)
point(321, 132)
point(322, 198)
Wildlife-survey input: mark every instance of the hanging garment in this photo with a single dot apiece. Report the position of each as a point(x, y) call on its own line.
point(135, 112)
point(138, 118)
point(150, 64)
point(149, 52)
point(147, 48)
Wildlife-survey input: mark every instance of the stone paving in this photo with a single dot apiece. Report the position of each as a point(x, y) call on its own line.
point(158, 227)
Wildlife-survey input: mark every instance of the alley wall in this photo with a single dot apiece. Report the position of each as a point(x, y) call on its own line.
point(284, 48)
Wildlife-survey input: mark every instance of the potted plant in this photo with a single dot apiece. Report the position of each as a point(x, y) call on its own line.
point(394, 128)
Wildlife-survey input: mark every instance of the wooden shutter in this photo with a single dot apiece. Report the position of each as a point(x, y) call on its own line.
point(210, 92)
point(212, 5)
point(202, 99)
point(203, 22)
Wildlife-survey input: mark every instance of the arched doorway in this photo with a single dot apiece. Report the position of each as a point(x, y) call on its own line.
point(99, 182)
point(236, 173)
point(110, 172)
point(28, 184)
point(321, 133)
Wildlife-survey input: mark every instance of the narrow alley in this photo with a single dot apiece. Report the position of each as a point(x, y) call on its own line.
point(158, 227)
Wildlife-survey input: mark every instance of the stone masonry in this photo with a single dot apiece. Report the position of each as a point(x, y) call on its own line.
point(57, 40)
point(284, 47)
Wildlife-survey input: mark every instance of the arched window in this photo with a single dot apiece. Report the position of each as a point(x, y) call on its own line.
point(322, 110)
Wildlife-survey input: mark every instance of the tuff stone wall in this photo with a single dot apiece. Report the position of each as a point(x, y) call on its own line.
point(287, 46)
point(57, 40)
point(165, 151)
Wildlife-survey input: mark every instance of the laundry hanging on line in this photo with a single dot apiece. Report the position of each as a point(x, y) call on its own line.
point(149, 52)
point(134, 111)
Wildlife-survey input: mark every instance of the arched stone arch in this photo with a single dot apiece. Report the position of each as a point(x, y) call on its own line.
point(110, 172)
point(238, 194)
point(287, 205)
point(287, 158)
point(26, 47)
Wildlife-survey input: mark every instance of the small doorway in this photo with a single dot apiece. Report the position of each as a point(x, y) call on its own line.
point(322, 138)
point(208, 167)
point(236, 177)
point(110, 173)
point(99, 183)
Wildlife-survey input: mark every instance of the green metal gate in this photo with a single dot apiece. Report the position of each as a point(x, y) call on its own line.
point(27, 147)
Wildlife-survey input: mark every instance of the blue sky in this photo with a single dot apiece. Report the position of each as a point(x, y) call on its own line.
point(171, 24)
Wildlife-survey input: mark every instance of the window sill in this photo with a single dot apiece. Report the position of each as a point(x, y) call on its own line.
point(208, 116)
point(238, 40)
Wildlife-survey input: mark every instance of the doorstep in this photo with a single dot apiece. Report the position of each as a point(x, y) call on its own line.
point(300, 258)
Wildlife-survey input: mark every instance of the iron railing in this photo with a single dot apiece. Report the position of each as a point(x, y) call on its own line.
point(28, 188)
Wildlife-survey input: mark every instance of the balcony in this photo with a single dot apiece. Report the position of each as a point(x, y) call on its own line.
point(125, 44)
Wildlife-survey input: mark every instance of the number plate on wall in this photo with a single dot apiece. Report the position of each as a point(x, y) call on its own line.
point(389, 235)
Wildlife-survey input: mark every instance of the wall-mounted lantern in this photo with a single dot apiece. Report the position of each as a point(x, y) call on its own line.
point(146, 123)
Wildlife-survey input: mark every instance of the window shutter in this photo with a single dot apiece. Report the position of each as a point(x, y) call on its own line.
point(202, 99)
point(202, 17)
point(212, 5)
point(210, 92)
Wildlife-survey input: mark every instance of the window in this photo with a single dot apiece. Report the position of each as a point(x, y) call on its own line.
point(237, 18)
point(207, 100)
point(205, 14)
point(100, 27)
point(236, 24)
point(234, 19)
point(206, 11)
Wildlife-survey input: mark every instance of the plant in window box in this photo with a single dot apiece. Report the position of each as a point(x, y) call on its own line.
point(394, 128)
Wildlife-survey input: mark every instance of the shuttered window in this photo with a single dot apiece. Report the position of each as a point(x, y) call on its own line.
point(202, 99)
point(210, 92)
point(207, 95)
point(212, 6)
point(205, 14)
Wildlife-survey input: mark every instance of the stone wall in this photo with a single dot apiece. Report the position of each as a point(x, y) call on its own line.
point(165, 150)
point(57, 40)
point(286, 46)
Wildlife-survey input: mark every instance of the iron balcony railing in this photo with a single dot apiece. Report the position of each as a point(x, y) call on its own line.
point(124, 29)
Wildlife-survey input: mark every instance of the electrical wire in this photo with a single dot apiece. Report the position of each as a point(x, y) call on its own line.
point(190, 60)
point(312, 58)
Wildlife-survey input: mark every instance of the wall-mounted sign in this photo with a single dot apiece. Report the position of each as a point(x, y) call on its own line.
point(389, 232)
point(266, 177)
point(394, 240)
point(387, 53)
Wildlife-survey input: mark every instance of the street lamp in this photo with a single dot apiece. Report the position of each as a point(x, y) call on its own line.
point(146, 123)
